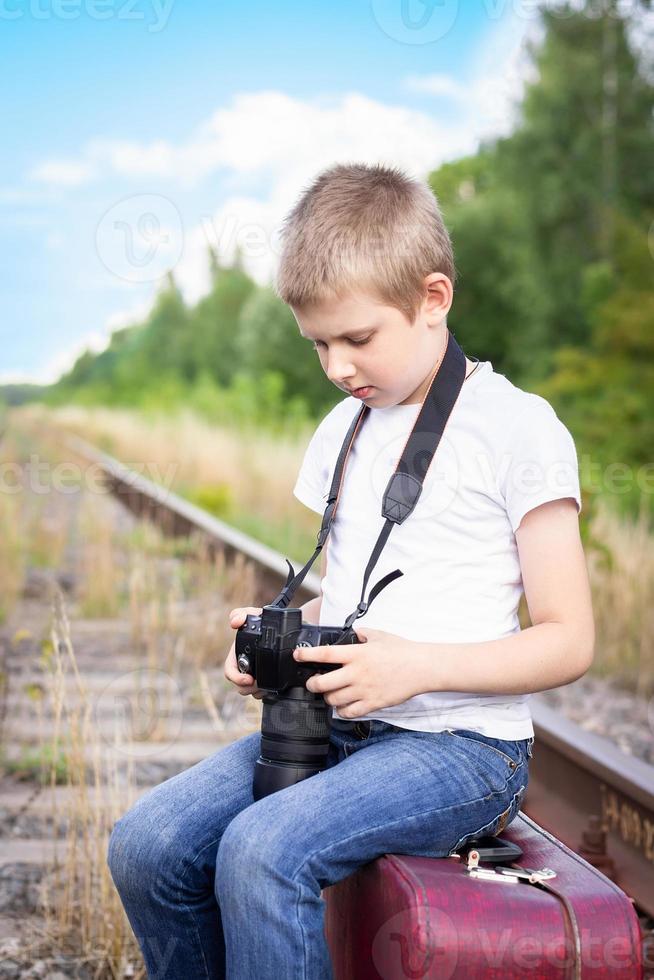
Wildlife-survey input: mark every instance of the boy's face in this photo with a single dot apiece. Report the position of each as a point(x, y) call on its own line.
point(364, 344)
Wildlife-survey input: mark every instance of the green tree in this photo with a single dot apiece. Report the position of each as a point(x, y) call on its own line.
point(581, 153)
point(269, 341)
point(164, 340)
point(605, 389)
point(214, 323)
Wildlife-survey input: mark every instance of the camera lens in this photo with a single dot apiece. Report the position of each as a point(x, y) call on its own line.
point(294, 740)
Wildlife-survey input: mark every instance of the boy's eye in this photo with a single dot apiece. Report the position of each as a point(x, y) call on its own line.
point(357, 343)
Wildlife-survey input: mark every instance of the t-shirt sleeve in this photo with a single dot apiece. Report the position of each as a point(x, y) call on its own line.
point(311, 486)
point(539, 463)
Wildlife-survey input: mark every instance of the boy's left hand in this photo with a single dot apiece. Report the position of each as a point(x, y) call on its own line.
point(378, 672)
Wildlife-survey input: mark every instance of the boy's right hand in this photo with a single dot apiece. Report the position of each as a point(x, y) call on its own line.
point(245, 683)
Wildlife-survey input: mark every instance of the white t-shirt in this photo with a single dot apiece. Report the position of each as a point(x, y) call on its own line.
point(504, 451)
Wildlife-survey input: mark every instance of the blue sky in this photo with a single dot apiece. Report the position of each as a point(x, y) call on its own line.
point(135, 132)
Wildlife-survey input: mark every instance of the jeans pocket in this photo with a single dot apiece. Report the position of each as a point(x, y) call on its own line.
point(512, 761)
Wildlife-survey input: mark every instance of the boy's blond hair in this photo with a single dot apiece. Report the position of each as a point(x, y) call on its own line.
point(363, 228)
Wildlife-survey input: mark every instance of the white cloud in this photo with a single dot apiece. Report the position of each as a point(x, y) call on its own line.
point(272, 133)
point(282, 142)
point(64, 173)
point(435, 85)
point(26, 196)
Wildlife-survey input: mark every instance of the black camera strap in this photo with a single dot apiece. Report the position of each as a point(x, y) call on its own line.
point(405, 485)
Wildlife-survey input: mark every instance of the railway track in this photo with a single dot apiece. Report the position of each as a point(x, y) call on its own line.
point(596, 799)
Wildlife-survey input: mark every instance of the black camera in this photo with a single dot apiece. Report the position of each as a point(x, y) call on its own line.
point(296, 723)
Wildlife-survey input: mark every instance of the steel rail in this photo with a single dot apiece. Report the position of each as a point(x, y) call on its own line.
point(178, 517)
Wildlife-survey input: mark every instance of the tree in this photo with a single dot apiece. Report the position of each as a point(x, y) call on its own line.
point(269, 341)
point(580, 154)
point(497, 313)
point(215, 324)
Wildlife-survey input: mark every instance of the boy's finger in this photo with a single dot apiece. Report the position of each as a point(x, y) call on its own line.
point(330, 654)
point(326, 683)
point(238, 616)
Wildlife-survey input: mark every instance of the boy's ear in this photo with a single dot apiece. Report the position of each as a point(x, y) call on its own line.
point(438, 297)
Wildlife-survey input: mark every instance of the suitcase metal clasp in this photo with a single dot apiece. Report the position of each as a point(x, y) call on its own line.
point(511, 876)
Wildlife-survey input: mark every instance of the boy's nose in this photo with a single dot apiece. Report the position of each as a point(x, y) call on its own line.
point(338, 371)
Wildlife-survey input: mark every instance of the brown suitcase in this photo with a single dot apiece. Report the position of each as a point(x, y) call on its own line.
point(402, 917)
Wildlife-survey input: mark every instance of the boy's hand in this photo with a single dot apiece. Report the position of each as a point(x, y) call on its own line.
point(379, 672)
point(244, 682)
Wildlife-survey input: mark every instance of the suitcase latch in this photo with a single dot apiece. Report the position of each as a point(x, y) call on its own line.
point(512, 876)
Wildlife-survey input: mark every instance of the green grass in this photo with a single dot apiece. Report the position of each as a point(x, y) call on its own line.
point(36, 765)
point(285, 537)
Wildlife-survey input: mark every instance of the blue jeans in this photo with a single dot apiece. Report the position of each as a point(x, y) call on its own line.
point(217, 885)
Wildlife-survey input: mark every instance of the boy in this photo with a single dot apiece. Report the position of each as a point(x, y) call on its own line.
point(431, 730)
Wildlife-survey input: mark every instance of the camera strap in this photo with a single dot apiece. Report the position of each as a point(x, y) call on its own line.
point(405, 485)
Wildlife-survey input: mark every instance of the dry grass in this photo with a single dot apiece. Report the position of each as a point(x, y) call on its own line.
point(621, 570)
point(12, 555)
point(101, 588)
point(33, 523)
point(12, 545)
point(187, 452)
point(82, 912)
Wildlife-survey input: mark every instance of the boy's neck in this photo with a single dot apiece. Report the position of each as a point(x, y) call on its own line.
point(470, 366)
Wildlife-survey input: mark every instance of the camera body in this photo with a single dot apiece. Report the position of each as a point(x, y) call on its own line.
point(295, 723)
point(265, 645)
